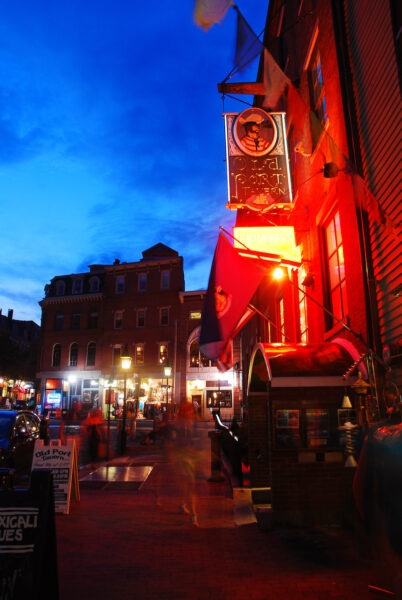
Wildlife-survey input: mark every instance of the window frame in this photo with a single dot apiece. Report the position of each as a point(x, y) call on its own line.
point(91, 347)
point(165, 285)
point(331, 290)
point(164, 310)
point(118, 323)
point(56, 347)
point(73, 362)
point(140, 347)
point(142, 277)
point(120, 284)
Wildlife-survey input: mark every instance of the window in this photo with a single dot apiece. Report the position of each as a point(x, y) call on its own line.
point(120, 285)
point(56, 355)
point(195, 315)
point(336, 297)
point(165, 280)
point(164, 316)
point(116, 355)
point(91, 354)
point(59, 321)
point(141, 317)
point(317, 92)
point(194, 354)
point(60, 288)
point(118, 319)
point(77, 286)
point(139, 354)
point(73, 355)
point(163, 353)
point(302, 300)
point(281, 320)
point(93, 318)
point(94, 284)
point(142, 282)
point(75, 319)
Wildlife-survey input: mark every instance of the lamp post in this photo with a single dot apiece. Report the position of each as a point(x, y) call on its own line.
point(125, 362)
point(167, 369)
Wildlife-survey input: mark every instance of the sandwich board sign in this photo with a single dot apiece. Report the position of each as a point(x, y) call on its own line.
point(62, 462)
point(28, 549)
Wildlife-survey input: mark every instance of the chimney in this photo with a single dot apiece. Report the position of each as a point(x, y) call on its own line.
point(10, 313)
point(116, 261)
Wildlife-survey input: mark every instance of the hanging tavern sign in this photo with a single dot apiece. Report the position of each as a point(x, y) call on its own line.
point(257, 160)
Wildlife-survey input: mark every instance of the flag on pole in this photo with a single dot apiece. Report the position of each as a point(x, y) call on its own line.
point(248, 45)
point(209, 12)
point(275, 81)
point(232, 283)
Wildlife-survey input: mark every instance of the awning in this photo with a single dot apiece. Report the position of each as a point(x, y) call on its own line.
point(301, 365)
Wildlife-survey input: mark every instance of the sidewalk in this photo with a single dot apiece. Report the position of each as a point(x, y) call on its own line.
point(131, 540)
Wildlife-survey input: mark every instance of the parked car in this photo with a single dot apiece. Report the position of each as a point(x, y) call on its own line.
point(19, 429)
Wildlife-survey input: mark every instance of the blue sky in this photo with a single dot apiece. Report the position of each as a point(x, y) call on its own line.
point(111, 137)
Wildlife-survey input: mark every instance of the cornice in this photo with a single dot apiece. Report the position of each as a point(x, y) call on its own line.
point(71, 299)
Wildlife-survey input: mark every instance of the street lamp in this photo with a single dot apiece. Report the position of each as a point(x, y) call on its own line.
point(125, 363)
point(167, 369)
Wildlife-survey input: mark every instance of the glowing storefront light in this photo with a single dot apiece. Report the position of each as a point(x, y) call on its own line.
point(278, 241)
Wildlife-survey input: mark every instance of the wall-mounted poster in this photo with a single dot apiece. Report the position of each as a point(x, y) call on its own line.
point(257, 159)
point(287, 430)
point(317, 427)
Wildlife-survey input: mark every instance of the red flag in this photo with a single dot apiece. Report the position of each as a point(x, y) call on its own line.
point(232, 283)
point(209, 12)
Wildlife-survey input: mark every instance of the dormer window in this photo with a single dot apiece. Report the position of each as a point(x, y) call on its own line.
point(77, 286)
point(60, 288)
point(94, 284)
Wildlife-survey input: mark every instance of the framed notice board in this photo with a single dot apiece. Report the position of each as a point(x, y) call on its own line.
point(62, 462)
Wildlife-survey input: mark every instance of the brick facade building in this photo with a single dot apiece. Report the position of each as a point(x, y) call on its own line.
point(89, 320)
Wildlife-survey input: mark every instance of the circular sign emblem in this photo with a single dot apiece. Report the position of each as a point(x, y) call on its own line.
point(255, 132)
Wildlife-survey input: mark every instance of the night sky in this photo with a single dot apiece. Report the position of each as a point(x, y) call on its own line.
point(111, 136)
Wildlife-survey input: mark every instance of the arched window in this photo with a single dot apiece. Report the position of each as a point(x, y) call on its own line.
point(194, 354)
point(91, 354)
point(60, 288)
point(56, 355)
point(73, 355)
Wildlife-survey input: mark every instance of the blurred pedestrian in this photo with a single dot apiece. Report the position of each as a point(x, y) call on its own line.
point(183, 455)
point(44, 431)
point(93, 431)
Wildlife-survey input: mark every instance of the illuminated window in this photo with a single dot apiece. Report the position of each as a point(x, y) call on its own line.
point(77, 286)
point(317, 93)
point(91, 354)
point(120, 285)
point(301, 274)
point(194, 354)
point(163, 353)
point(139, 354)
point(141, 317)
point(118, 319)
point(197, 358)
point(195, 315)
point(165, 280)
point(142, 282)
point(56, 355)
point(75, 319)
point(93, 318)
point(73, 355)
point(59, 321)
point(281, 320)
point(336, 297)
point(164, 316)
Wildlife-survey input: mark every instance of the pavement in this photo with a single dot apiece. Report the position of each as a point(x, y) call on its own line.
point(129, 538)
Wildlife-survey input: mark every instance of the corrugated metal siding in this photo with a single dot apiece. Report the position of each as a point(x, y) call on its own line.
point(379, 109)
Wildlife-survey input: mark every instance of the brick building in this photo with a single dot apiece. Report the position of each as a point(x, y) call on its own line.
point(332, 326)
point(18, 354)
point(89, 320)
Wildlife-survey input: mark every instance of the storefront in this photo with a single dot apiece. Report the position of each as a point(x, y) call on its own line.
point(296, 417)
